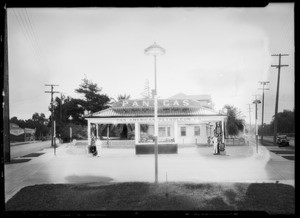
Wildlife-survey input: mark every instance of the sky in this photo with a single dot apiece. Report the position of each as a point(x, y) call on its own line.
point(222, 52)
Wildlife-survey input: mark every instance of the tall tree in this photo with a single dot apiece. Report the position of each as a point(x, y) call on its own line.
point(234, 125)
point(93, 101)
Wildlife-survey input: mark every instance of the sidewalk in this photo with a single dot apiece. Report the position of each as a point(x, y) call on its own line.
point(71, 164)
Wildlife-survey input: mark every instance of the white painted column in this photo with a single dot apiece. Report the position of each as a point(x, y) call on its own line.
point(223, 131)
point(89, 131)
point(97, 134)
point(136, 132)
point(175, 131)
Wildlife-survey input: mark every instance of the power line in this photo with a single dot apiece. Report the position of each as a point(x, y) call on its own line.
point(277, 93)
point(29, 31)
point(32, 27)
point(25, 32)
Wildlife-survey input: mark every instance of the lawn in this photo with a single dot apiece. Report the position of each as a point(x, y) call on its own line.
point(139, 196)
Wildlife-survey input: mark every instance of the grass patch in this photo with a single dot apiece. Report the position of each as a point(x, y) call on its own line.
point(138, 196)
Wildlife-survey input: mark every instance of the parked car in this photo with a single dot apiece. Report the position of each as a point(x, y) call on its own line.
point(282, 140)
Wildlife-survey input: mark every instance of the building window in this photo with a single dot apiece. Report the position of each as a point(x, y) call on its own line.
point(168, 131)
point(197, 130)
point(164, 131)
point(183, 131)
point(161, 131)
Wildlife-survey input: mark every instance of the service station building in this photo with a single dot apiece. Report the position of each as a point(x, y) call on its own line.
point(180, 121)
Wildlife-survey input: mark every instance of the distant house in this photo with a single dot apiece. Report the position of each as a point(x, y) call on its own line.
point(205, 100)
point(18, 134)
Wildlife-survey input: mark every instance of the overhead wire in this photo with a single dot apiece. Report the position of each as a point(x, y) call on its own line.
point(25, 33)
point(35, 38)
point(30, 33)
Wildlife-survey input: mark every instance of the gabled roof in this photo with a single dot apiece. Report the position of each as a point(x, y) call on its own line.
point(166, 107)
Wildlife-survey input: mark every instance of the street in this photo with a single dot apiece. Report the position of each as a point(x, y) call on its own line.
point(24, 149)
point(287, 152)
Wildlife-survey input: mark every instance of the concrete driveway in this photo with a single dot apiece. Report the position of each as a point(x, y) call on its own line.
point(193, 164)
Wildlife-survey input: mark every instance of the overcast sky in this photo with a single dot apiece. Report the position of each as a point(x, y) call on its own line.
point(222, 52)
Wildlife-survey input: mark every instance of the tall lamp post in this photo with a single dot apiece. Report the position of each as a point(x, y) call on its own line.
point(70, 118)
point(155, 50)
point(256, 101)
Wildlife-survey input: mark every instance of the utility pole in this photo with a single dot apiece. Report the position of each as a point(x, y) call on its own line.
point(256, 101)
point(250, 117)
point(277, 94)
point(5, 93)
point(60, 115)
point(263, 83)
point(52, 114)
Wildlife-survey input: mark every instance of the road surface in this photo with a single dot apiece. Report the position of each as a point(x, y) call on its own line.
point(24, 149)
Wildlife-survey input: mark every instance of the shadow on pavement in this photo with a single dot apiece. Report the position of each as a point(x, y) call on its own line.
point(16, 161)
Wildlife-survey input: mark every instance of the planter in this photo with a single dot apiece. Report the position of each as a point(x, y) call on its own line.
point(165, 148)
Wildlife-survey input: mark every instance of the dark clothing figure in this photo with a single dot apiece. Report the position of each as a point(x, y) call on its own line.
point(92, 148)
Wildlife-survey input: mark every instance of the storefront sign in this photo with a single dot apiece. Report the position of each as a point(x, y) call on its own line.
point(150, 103)
point(160, 119)
point(17, 132)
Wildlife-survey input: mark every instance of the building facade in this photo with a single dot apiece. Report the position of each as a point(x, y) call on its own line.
point(180, 121)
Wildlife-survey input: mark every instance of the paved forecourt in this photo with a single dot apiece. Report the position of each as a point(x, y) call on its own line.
point(71, 164)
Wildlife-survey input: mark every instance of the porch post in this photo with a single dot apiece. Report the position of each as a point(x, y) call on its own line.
point(89, 131)
point(223, 131)
point(136, 132)
point(97, 133)
point(175, 131)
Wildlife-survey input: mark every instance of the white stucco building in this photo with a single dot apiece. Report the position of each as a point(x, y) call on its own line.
point(181, 120)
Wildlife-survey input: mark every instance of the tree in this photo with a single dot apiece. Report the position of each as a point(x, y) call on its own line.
point(93, 101)
point(123, 97)
point(65, 107)
point(234, 125)
point(286, 122)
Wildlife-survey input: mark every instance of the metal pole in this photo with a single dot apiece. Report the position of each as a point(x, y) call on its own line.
point(70, 133)
point(54, 137)
point(262, 116)
point(256, 136)
point(250, 119)
point(5, 105)
point(155, 125)
point(52, 117)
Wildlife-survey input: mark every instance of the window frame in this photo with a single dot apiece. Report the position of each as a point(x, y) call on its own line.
point(181, 128)
point(197, 131)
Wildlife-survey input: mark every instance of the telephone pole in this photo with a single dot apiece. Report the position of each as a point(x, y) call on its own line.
point(263, 83)
point(250, 117)
point(5, 93)
point(277, 94)
point(52, 114)
point(256, 101)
